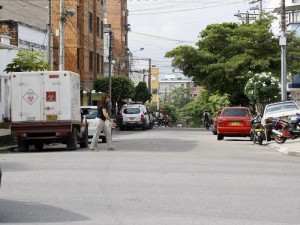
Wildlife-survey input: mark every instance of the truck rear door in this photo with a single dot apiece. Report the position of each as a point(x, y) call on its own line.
point(29, 98)
point(52, 107)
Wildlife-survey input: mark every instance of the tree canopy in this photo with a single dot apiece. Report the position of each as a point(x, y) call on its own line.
point(226, 53)
point(121, 88)
point(262, 89)
point(28, 61)
point(142, 93)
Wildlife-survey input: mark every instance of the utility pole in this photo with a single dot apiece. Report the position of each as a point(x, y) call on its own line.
point(109, 70)
point(282, 43)
point(50, 35)
point(260, 9)
point(62, 21)
point(149, 76)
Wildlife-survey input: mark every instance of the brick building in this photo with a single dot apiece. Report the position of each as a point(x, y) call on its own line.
point(83, 39)
point(117, 16)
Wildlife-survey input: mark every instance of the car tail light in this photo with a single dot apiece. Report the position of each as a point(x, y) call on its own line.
point(142, 117)
point(248, 122)
point(221, 122)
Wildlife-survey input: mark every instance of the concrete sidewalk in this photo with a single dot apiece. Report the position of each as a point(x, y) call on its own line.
point(290, 147)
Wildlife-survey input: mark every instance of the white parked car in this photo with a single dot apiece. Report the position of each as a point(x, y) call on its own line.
point(135, 116)
point(285, 110)
point(90, 113)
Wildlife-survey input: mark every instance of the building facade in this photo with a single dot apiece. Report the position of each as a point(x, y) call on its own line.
point(83, 39)
point(117, 17)
point(167, 85)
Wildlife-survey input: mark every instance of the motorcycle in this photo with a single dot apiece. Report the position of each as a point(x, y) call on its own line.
point(284, 129)
point(207, 124)
point(257, 132)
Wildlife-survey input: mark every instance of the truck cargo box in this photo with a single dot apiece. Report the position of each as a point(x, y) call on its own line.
point(45, 105)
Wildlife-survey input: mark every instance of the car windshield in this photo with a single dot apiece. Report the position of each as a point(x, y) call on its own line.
point(285, 106)
point(235, 113)
point(92, 114)
point(132, 111)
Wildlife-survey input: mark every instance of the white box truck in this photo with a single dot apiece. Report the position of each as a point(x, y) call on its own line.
point(45, 107)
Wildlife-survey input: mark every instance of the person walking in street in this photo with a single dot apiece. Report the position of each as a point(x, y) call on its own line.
point(104, 122)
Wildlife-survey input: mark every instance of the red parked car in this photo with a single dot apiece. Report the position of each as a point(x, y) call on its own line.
point(234, 122)
point(215, 123)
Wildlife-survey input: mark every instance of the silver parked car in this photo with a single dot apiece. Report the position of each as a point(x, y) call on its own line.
point(284, 110)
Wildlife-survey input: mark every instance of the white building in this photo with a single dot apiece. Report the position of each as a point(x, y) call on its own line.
point(4, 97)
point(14, 37)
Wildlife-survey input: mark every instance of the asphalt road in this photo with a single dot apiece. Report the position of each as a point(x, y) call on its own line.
point(164, 176)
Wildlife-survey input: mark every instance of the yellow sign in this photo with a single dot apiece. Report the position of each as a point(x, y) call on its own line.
point(51, 117)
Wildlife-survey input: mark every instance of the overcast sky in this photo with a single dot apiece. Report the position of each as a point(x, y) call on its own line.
point(161, 25)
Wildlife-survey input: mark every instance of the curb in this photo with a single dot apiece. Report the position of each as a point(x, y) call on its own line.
point(7, 149)
point(285, 150)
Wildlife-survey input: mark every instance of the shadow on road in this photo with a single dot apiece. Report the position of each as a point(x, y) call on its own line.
point(30, 212)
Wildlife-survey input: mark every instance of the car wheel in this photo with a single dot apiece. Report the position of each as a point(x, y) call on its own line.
point(214, 130)
point(220, 137)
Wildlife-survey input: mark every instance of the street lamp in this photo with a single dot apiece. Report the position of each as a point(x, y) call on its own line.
point(141, 49)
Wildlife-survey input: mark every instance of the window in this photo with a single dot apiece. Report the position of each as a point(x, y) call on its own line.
point(91, 22)
point(98, 27)
point(101, 29)
point(78, 58)
point(102, 64)
point(78, 18)
point(131, 111)
point(91, 59)
point(182, 85)
point(195, 85)
point(98, 63)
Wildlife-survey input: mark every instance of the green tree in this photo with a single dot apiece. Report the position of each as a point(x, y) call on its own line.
point(28, 61)
point(121, 88)
point(228, 51)
point(192, 113)
point(142, 93)
point(179, 97)
point(262, 89)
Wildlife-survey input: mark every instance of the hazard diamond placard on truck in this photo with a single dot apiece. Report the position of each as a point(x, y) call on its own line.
point(30, 96)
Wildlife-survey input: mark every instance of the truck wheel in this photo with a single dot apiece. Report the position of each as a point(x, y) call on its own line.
point(84, 142)
point(22, 146)
point(72, 140)
point(39, 146)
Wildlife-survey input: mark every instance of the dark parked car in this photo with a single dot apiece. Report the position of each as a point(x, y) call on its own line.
point(215, 123)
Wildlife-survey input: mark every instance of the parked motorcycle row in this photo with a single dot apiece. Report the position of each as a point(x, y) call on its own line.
point(280, 120)
point(282, 129)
